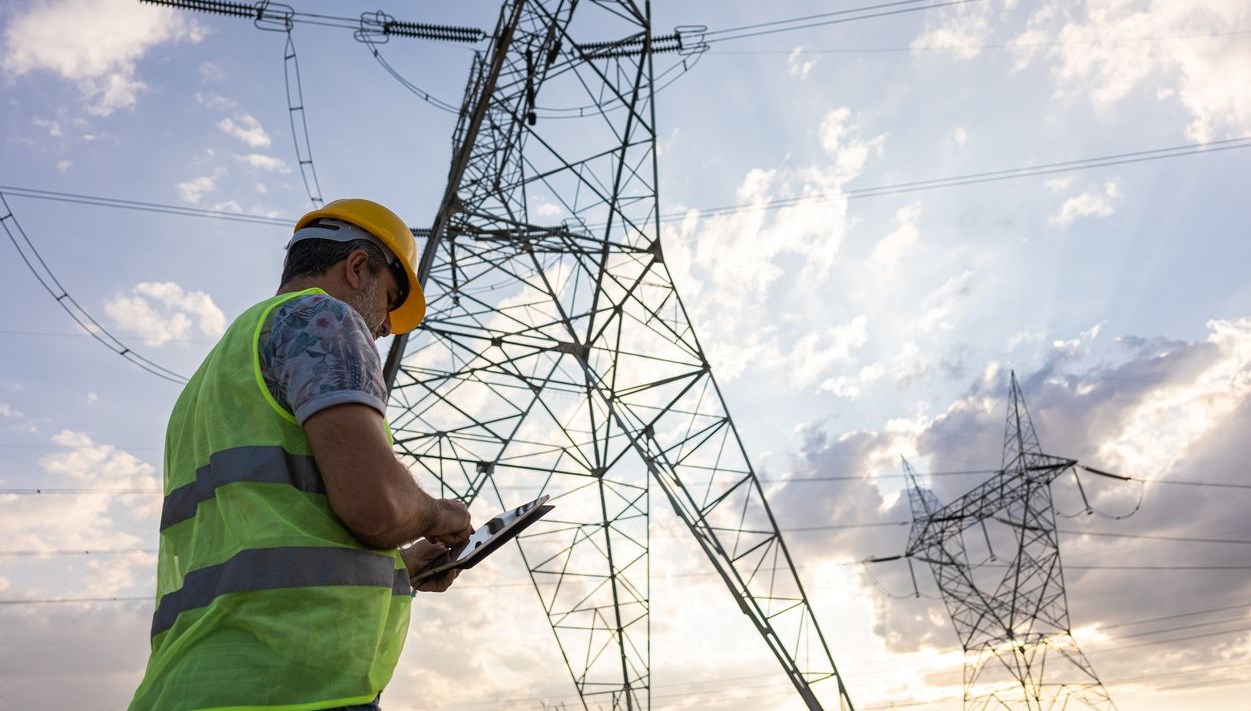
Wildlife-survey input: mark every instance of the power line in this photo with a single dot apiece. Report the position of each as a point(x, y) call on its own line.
point(1092, 42)
point(282, 18)
point(80, 334)
point(1193, 613)
point(770, 205)
point(828, 18)
point(1149, 537)
point(143, 206)
point(39, 268)
point(69, 600)
point(40, 554)
point(972, 178)
point(80, 490)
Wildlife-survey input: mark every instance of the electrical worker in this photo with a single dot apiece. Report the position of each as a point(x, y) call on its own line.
point(280, 582)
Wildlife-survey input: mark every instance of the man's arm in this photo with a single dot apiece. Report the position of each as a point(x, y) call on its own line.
point(370, 491)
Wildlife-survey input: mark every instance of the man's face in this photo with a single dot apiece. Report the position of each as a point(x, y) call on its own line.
point(374, 301)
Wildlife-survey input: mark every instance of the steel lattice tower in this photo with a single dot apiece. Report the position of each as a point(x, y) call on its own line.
point(556, 356)
point(1015, 626)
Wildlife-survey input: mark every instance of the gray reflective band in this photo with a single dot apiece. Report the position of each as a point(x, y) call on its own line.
point(401, 585)
point(279, 568)
point(265, 465)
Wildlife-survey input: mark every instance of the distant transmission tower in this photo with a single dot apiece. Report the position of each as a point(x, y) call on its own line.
point(556, 356)
point(1013, 618)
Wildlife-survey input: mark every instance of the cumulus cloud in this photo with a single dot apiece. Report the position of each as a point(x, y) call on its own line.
point(1165, 411)
point(849, 387)
point(263, 162)
point(211, 72)
point(97, 44)
point(246, 129)
point(218, 102)
point(1175, 50)
point(961, 29)
point(53, 127)
point(1092, 203)
point(892, 248)
point(161, 312)
point(798, 64)
point(193, 190)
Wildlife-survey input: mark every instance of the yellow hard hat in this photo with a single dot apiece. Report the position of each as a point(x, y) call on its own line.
point(393, 233)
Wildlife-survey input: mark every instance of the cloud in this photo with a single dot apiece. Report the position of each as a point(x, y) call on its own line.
point(1092, 203)
point(162, 311)
point(211, 72)
point(8, 411)
point(54, 127)
point(247, 129)
point(94, 43)
point(729, 267)
point(1174, 50)
point(216, 102)
point(892, 248)
point(193, 190)
point(63, 166)
point(962, 29)
point(799, 66)
point(264, 162)
point(1057, 184)
point(849, 386)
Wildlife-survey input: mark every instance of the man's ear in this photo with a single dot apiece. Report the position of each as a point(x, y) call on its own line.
point(354, 267)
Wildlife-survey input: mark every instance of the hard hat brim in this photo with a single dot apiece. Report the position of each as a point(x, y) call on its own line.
point(413, 310)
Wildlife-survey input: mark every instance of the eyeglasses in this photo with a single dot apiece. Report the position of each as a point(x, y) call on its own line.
point(401, 281)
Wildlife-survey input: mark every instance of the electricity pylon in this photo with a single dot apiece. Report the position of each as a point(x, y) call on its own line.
point(556, 356)
point(1012, 626)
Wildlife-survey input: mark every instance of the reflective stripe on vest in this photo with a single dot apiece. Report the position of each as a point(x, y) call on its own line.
point(265, 465)
point(274, 568)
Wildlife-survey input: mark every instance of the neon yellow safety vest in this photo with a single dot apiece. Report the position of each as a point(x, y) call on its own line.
point(264, 599)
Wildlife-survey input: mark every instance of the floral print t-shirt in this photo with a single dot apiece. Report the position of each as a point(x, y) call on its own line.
point(317, 352)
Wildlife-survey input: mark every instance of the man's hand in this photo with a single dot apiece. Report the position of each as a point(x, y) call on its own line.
point(422, 555)
point(452, 525)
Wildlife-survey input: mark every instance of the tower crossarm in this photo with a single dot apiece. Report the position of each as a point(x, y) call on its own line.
point(1007, 488)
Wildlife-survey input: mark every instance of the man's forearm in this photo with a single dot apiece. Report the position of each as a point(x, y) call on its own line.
point(411, 513)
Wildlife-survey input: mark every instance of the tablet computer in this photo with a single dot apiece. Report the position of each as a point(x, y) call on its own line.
point(489, 537)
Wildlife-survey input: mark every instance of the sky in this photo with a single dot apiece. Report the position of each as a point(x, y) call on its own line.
point(846, 328)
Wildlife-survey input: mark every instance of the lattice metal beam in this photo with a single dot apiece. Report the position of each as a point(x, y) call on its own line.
point(556, 356)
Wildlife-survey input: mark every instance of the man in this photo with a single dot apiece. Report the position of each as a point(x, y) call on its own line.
point(279, 583)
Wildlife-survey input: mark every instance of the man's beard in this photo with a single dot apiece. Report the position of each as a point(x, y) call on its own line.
point(365, 303)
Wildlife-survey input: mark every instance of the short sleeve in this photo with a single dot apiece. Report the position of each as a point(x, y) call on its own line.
point(317, 352)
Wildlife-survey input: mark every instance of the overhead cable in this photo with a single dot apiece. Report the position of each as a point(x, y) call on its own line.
point(828, 18)
point(279, 17)
point(154, 207)
point(1090, 42)
point(972, 178)
point(39, 268)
